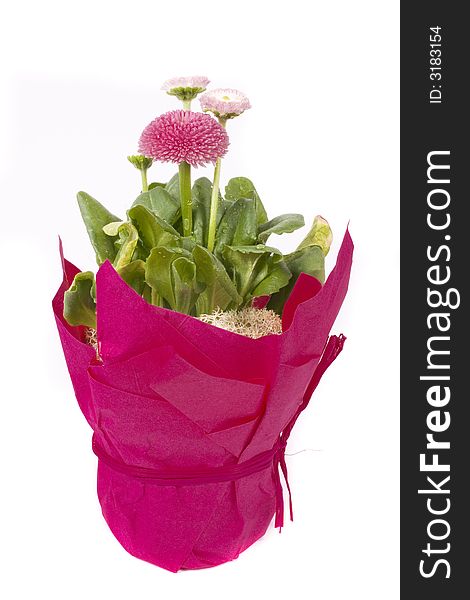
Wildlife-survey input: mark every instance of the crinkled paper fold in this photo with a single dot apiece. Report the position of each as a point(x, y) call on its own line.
point(173, 396)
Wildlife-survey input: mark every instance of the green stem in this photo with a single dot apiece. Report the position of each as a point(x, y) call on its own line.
point(214, 200)
point(186, 104)
point(214, 206)
point(145, 185)
point(185, 196)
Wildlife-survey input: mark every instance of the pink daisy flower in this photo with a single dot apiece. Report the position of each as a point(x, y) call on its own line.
point(224, 103)
point(186, 88)
point(182, 135)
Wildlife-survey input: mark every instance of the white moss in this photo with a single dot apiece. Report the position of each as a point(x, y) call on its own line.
point(91, 338)
point(251, 322)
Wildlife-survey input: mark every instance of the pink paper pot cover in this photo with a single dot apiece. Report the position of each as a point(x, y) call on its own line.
point(189, 421)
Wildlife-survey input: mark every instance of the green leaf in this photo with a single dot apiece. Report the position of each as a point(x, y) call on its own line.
point(112, 229)
point(277, 278)
point(140, 252)
point(155, 184)
point(186, 287)
point(148, 296)
point(282, 224)
point(219, 292)
point(310, 260)
point(173, 188)
point(187, 243)
point(258, 249)
point(79, 305)
point(134, 275)
point(238, 226)
point(222, 209)
point(128, 238)
point(319, 235)
point(160, 202)
point(158, 271)
point(242, 187)
point(171, 273)
point(152, 230)
point(251, 265)
point(96, 216)
point(201, 197)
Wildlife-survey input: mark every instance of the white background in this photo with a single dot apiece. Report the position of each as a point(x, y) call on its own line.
point(81, 80)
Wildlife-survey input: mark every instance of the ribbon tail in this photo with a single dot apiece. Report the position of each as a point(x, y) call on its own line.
point(279, 521)
point(283, 465)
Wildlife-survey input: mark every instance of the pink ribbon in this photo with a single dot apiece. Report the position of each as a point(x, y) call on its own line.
point(271, 458)
point(330, 353)
point(229, 472)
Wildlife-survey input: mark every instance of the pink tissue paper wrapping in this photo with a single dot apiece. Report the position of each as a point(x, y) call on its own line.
point(190, 422)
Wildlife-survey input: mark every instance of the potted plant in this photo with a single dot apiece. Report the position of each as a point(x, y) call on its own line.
point(196, 346)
